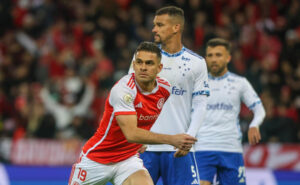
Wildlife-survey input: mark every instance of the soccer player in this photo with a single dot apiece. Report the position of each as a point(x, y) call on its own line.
point(131, 108)
point(219, 148)
point(185, 109)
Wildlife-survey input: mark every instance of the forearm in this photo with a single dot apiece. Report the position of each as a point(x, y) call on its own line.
point(134, 134)
point(259, 115)
point(198, 114)
point(142, 136)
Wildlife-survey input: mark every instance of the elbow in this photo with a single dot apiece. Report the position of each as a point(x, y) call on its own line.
point(130, 138)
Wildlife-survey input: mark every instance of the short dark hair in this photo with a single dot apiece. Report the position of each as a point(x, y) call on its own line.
point(171, 11)
point(219, 42)
point(150, 47)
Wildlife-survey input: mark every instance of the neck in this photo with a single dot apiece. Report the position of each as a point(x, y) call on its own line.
point(147, 86)
point(172, 45)
point(219, 74)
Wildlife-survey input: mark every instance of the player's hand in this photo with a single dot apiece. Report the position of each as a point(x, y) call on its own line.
point(142, 149)
point(180, 153)
point(254, 135)
point(183, 141)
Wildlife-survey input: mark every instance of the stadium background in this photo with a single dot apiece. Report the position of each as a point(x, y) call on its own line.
point(59, 59)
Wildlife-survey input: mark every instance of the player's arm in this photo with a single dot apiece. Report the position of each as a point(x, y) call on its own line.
point(197, 117)
point(133, 134)
point(199, 99)
point(250, 98)
point(259, 114)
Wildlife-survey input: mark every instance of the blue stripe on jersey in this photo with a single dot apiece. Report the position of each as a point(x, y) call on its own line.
point(194, 54)
point(200, 93)
point(254, 104)
point(218, 78)
point(172, 55)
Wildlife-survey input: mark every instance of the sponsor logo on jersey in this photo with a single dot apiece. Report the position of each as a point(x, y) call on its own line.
point(139, 105)
point(219, 106)
point(201, 93)
point(160, 103)
point(148, 117)
point(127, 98)
point(185, 58)
point(178, 91)
point(206, 84)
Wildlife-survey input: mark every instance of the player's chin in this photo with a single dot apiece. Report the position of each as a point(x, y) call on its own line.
point(157, 39)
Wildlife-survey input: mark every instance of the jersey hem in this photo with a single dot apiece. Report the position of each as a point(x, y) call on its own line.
point(220, 150)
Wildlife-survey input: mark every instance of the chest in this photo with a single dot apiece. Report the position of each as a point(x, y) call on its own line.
point(177, 71)
point(225, 90)
point(148, 107)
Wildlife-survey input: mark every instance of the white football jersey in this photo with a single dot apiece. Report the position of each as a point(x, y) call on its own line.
point(187, 73)
point(220, 130)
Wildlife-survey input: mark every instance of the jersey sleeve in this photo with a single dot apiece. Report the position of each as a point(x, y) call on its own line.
point(201, 86)
point(249, 96)
point(199, 102)
point(122, 99)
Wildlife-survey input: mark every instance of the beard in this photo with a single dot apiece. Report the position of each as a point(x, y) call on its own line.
point(217, 70)
point(157, 39)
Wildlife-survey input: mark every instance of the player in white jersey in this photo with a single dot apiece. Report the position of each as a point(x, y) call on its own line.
point(185, 109)
point(219, 148)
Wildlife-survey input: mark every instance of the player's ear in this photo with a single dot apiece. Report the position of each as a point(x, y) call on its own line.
point(176, 28)
point(229, 58)
point(160, 66)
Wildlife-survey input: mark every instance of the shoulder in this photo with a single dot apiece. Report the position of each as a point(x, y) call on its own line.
point(192, 55)
point(164, 83)
point(196, 61)
point(238, 79)
point(126, 84)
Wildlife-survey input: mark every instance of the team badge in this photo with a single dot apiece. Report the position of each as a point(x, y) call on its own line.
point(127, 98)
point(160, 103)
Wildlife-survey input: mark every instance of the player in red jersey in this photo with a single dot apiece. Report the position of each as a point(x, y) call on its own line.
point(131, 108)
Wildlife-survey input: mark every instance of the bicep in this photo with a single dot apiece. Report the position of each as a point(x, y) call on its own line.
point(201, 86)
point(249, 96)
point(127, 123)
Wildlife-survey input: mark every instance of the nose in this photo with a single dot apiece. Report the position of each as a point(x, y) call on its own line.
point(154, 29)
point(143, 67)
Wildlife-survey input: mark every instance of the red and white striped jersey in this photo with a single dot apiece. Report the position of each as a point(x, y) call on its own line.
point(109, 145)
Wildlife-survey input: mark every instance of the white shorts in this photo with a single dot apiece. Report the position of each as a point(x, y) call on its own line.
point(91, 172)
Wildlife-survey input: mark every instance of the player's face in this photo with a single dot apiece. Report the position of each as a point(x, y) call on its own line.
point(217, 59)
point(163, 28)
point(146, 66)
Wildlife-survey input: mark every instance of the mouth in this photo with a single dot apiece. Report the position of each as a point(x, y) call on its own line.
point(156, 36)
point(143, 75)
point(214, 66)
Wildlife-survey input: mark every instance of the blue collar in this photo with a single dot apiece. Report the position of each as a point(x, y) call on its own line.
point(172, 55)
point(219, 77)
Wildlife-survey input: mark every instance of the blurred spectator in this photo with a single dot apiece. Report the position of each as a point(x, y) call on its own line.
point(73, 99)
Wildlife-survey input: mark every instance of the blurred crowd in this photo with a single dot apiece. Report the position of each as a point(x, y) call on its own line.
point(59, 59)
